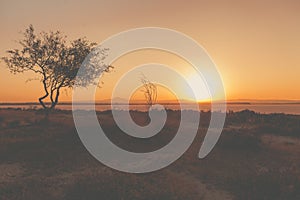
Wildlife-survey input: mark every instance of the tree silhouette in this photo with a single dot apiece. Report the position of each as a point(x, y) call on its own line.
point(149, 90)
point(55, 61)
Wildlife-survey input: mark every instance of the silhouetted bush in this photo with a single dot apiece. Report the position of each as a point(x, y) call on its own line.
point(14, 123)
point(1, 119)
point(239, 141)
point(267, 186)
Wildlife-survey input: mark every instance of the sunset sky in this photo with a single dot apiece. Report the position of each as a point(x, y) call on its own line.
point(255, 44)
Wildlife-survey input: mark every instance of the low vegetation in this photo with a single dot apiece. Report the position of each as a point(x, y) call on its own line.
point(257, 157)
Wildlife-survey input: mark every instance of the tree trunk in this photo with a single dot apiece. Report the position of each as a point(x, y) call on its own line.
point(54, 101)
point(46, 91)
point(46, 109)
point(42, 98)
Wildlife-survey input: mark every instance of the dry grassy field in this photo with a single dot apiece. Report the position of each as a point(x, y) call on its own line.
point(257, 157)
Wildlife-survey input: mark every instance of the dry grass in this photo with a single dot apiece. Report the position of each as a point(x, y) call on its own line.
point(44, 159)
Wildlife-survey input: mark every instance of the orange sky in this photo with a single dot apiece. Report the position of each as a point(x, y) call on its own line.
point(255, 44)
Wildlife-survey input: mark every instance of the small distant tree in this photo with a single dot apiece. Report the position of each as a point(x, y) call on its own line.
point(149, 89)
point(55, 61)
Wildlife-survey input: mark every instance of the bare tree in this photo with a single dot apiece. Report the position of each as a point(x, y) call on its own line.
point(55, 61)
point(149, 90)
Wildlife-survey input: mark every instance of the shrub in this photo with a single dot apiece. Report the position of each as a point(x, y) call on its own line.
point(240, 141)
point(1, 119)
point(14, 123)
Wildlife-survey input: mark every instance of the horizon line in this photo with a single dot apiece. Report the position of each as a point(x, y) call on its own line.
point(170, 101)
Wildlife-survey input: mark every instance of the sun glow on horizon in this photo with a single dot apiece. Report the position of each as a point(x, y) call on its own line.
point(255, 45)
point(200, 90)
